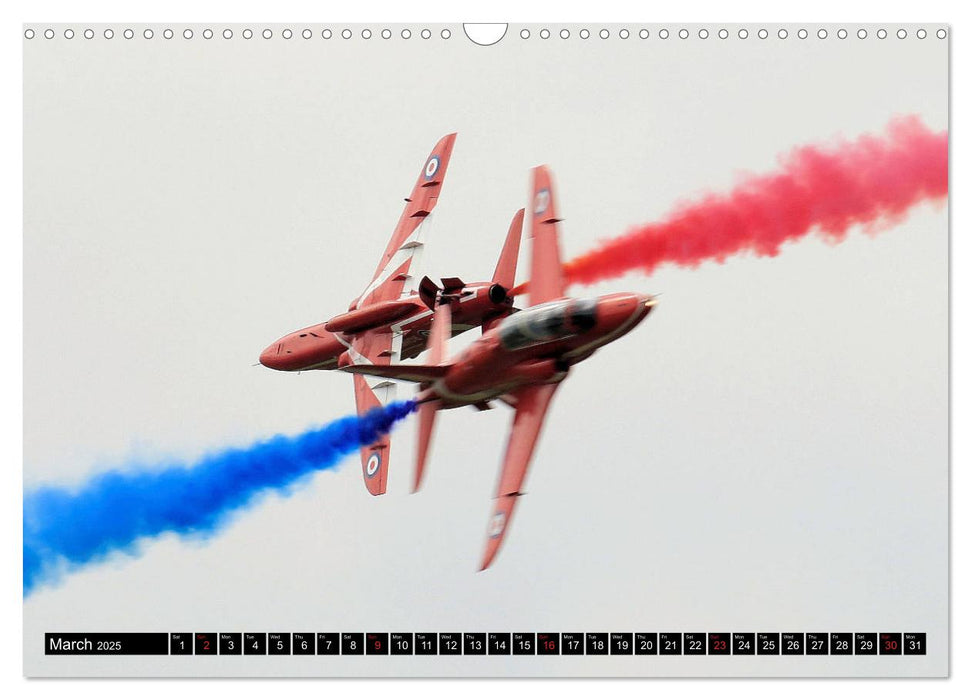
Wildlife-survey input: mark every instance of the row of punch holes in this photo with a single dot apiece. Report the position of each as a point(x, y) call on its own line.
point(480, 34)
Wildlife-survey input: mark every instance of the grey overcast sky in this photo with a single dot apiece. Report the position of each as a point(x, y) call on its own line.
point(768, 451)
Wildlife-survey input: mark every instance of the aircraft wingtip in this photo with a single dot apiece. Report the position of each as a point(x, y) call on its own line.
point(376, 488)
point(489, 555)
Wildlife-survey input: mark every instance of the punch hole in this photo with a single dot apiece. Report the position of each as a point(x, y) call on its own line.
point(89, 34)
point(207, 34)
point(643, 34)
point(941, 34)
point(385, 33)
point(683, 33)
point(426, 34)
point(148, 34)
point(743, 33)
point(109, 33)
point(604, 33)
point(129, 34)
point(842, 34)
point(227, 33)
point(29, 34)
point(564, 33)
point(247, 33)
point(287, 34)
point(783, 33)
point(544, 34)
point(763, 34)
point(623, 33)
point(703, 34)
point(901, 33)
point(48, 33)
point(722, 33)
point(306, 33)
point(881, 34)
point(584, 33)
point(366, 34)
point(921, 33)
point(523, 34)
point(487, 33)
point(68, 33)
point(663, 34)
point(405, 33)
point(168, 34)
point(802, 33)
point(861, 34)
point(326, 34)
point(446, 34)
point(822, 34)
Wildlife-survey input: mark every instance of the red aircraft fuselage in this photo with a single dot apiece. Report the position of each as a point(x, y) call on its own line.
point(536, 346)
point(321, 346)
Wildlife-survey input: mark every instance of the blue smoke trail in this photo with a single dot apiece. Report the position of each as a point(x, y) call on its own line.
point(67, 528)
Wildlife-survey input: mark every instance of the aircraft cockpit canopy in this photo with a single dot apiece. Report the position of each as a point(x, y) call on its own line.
point(547, 322)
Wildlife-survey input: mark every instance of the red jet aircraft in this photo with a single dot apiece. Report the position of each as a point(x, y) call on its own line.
point(389, 321)
point(520, 359)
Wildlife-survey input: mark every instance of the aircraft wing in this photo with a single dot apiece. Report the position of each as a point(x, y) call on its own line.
point(394, 276)
point(531, 404)
point(546, 273)
point(372, 348)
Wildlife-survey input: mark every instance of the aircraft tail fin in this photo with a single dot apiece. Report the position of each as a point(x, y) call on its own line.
point(504, 278)
point(505, 274)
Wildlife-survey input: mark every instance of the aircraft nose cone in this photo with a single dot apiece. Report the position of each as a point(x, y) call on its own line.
point(270, 357)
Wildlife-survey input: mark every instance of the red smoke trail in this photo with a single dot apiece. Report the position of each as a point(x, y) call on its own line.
point(871, 181)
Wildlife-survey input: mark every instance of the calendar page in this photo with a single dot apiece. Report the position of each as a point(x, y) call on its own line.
point(443, 350)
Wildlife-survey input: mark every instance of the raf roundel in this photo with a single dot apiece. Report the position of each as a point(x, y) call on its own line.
point(373, 464)
point(497, 524)
point(542, 201)
point(431, 167)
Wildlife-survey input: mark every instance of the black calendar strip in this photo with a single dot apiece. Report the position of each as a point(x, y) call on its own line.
point(489, 643)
